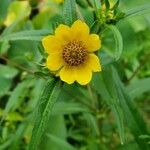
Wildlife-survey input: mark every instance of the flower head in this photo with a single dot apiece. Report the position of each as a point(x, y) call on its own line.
point(71, 52)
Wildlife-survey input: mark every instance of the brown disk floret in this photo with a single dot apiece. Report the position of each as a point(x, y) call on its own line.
point(74, 53)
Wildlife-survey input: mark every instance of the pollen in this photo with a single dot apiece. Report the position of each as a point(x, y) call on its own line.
point(74, 53)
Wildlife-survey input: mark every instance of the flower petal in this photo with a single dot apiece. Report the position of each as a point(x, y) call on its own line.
point(83, 74)
point(94, 63)
point(54, 62)
point(67, 74)
point(51, 44)
point(93, 43)
point(80, 30)
point(63, 33)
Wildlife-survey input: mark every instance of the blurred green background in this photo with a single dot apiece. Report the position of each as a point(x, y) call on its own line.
point(77, 121)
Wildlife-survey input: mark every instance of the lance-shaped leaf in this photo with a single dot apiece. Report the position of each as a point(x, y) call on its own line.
point(140, 10)
point(46, 103)
point(69, 12)
point(32, 35)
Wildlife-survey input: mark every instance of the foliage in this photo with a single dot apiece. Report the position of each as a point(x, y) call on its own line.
point(37, 111)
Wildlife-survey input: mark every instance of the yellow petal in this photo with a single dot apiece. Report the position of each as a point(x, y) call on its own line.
point(67, 74)
point(93, 43)
point(63, 33)
point(51, 44)
point(54, 62)
point(80, 30)
point(94, 63)
point(83, 74)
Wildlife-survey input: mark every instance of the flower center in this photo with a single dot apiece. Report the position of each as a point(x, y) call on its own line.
point(74, 53)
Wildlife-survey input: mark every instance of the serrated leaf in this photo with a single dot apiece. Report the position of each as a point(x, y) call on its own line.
point(46, 102)
point(69, 12)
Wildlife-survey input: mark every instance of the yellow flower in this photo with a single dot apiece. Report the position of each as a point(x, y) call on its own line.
point(71, 52)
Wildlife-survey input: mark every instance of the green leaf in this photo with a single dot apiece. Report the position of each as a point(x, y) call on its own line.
point(13, 116)
point(133, 118)
point(5, 145)
point(46, 102)
point(16, 139)
point(8, 72)
point(103, 84)
point(117, 110)
point(16, 11)
point(118, 41)
point(4, 46)
point(82, 3)
point(61, 142)
point(68, 108)
point(95, 28)
point(112, 90)
point(33, 35)
point(115, 5)
point(57, 127)
point(92, 123)
point(16, 96)
point(5, 85)
point(107, 5)
point(137, 11)
point(69, 12)
point(3, 9)
point(97, 4)
point(139, 87)
point(129, 146)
